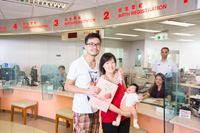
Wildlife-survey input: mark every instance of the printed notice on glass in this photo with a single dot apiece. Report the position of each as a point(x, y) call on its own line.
point(103, 100)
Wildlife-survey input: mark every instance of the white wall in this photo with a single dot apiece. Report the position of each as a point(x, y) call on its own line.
point(134, 46)
point(29, 50)
point(189, 51)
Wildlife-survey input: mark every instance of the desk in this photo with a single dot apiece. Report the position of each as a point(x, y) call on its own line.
point(184, 125)
point(46, 108)
point(27, 88)
point(149, 80)
point(62, 93)
point(190, 86)
point(153, 102)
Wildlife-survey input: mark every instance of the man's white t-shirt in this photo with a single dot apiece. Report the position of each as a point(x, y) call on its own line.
point(164, 67)
point(83, 74)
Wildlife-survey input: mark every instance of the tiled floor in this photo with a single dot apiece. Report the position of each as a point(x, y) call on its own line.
point(32, 126)
point(35, 126)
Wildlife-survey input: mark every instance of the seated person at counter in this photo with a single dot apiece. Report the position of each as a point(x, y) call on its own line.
point(157, 90)
point(60, 81)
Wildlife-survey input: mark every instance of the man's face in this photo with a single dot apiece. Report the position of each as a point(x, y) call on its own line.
point(93, 46)
point(62, 71)
point(164, 53)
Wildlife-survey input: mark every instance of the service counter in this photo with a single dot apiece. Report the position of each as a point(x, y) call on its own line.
point(46, 108)
point(184, 125)
point(149, 118)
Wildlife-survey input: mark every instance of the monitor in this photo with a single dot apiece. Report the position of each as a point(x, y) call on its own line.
point(34, 74)
point(8, 74)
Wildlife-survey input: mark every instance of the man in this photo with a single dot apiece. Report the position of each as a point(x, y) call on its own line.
point(60, 79)
point(81, 73)
point(164, 66)
point(61, 70)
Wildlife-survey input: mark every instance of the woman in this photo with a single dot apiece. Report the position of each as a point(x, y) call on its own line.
point(157, 91)
point(107, 67)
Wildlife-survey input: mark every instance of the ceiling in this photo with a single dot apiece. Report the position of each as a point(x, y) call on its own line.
point(11, 9)
point(155, 25)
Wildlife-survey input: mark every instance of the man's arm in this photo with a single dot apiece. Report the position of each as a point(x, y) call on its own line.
point(69, 86)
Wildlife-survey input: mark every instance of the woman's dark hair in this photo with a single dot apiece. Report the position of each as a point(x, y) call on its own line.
point(92, 35)
point(63, 67)
point(104, 58)
point(155, 87)
point(137, 87)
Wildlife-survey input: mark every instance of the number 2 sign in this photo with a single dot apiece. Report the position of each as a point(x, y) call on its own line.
point(106, 15)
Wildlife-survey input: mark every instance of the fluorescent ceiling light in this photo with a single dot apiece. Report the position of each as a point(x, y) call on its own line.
point(152, 37)
point(183, 34)
point(121, 34)
point(112, 38)
point(184, 40)
point(146, 30)
point(177, 23)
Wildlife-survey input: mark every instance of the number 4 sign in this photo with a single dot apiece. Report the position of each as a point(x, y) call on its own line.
point(15, 26)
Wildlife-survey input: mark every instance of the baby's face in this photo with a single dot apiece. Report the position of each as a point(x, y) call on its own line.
point(131, 89)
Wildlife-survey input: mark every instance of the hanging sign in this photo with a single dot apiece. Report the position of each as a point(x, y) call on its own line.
point(116, 13)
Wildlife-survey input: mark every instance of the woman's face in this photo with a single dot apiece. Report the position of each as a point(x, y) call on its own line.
point(158, 81)
point(109, 66)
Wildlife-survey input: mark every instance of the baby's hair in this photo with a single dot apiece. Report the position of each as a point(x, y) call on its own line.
point(137, 87)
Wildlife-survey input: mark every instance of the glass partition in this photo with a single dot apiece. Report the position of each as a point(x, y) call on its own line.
point(9, 74)
point(49, 75)
point(174, 96)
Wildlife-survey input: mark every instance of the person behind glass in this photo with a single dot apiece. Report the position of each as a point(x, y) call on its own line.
point(81, 74)
point(107, 67)
point(61, 78)
point(164, 66)
point(157, 90)
point(61, 70)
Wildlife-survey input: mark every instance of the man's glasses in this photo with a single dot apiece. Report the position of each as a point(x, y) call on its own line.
point(94, 44)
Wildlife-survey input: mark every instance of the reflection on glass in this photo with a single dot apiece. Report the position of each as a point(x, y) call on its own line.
point(9, 74)
point(174, 95)
point(48, 77)
point(138, 58)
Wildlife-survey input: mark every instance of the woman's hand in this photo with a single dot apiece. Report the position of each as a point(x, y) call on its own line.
point(140, 98)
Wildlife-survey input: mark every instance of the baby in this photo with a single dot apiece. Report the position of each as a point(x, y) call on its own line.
point(129, 104)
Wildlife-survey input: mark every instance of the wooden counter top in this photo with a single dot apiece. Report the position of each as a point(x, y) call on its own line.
point(28, 88)
point(62, 93)
point(39, 89)
point(149, 110)
point(193, 123)
point(190, 85)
